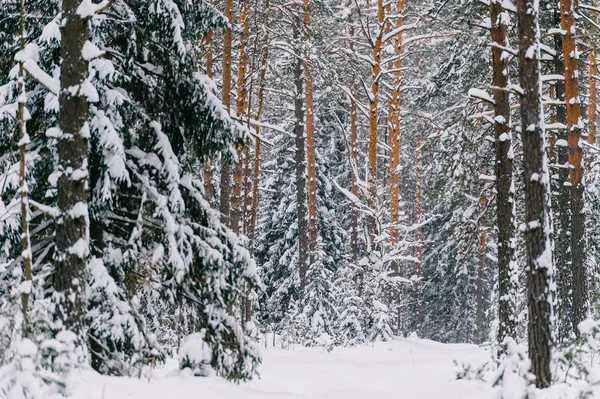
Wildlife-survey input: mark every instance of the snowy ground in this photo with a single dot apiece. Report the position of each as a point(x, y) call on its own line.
point(405, 368)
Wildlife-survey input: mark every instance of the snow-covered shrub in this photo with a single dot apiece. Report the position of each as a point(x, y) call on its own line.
point(195, 354)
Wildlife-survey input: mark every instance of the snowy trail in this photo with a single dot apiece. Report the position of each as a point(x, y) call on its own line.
point(407, 368)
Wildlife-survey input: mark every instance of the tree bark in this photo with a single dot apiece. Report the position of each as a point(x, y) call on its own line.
point(224, 205)
point(574, 123)
point(505, 202)
point(562, 201)
point(313, 229)
point(593, 72)
point(241, 110)
point(303, 245)
point(374, 116)
point(72, 229)
point(395, 143)
point(536, 177)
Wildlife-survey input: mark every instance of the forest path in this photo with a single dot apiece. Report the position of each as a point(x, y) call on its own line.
point(404, 368)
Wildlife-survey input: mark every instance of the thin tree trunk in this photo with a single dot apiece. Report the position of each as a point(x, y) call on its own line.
point(24, 191)
point(208, 174)
point(313, 230)
point(562, 206)
point(224, 205)
point(418, 232)
point(353, 149)
point(593, 58)
point(374, 116)
point(537, 194)
point(395, 143)
point(574, 123)
point(241, 107)
point(505, 203)
point(71, 239)
point(479, 313)
point(303, 246)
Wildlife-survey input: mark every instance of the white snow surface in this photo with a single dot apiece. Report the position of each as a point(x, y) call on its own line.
point(409, 368)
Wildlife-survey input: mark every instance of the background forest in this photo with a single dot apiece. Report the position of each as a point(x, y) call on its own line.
point(214, 175)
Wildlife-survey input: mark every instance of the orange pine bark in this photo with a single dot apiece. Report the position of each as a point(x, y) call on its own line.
point(374, 115)
point(311, 163)
point(224, 205)
point(573, 106)
point(241, 110)
point(394, 117)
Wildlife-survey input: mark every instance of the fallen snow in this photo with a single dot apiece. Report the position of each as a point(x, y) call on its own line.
point(404, 368)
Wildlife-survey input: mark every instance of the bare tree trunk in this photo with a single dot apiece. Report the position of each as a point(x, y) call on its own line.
point(353, 153)
point(313, 228)
point(303, 246)
point(395, 142)
point(562, 202)
point(241, 109)
point(537, 194)
point(72, 234)
point(224, 205)
point(505, 203)
point(374, 115)
point(574, 123)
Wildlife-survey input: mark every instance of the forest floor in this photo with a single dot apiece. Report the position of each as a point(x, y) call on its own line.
point(404, 368)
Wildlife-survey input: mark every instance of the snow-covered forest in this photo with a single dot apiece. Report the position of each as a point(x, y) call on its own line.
point(221, 182)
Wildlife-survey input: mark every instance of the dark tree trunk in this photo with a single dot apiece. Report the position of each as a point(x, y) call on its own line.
point(72, 241)
point(562, 203)
point(505, 203)
point(573, 105)
point(300, 164)
point(537, 196)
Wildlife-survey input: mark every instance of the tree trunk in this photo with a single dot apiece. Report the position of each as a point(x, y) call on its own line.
point(241, 110)
point(536, 177)
point(208, 175)
point(374, 116)
point(574, 123)
point(562, 205)
point(72, 239)
point(395, 143)
point(224, 205)
point(24, 191)
point(480, 314)
point(353, 149)
point(505, 203)
point(418, 232)
point(313, 230)
point(303, 246)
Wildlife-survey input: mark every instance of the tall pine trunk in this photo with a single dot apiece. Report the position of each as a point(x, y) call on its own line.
point(562, 201)
point(224, 205)
point(241, 110)
point(374, 117)
point(505, 201)
point(537, 194)
point(574, 123)
point(303, 245)
point(72, 230)
point(395, 142)
point(313, 230)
